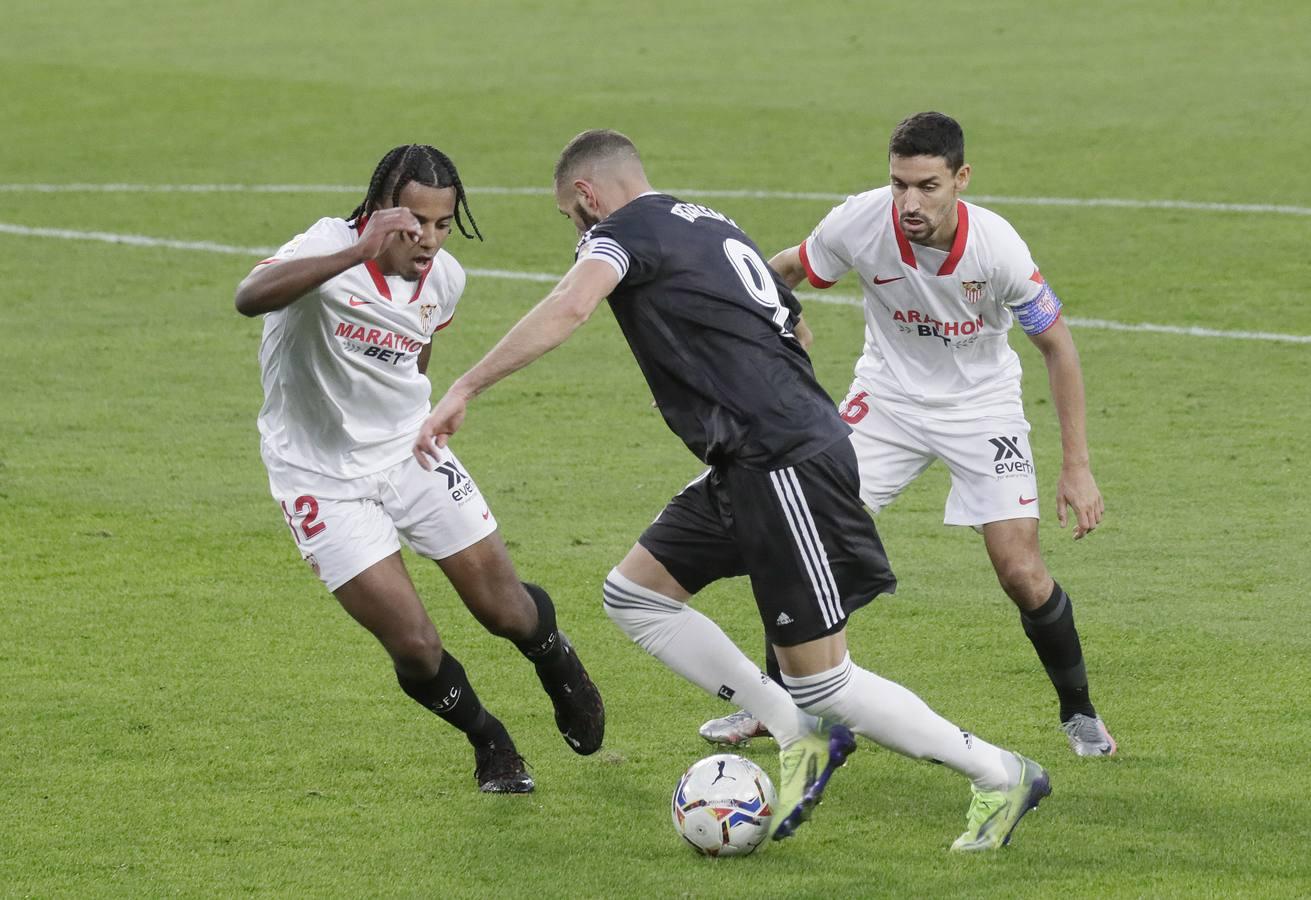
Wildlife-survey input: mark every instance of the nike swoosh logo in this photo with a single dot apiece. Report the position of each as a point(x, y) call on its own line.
point(355, 302)
point(487, 513)
point(878, 280)
point(1024, 502)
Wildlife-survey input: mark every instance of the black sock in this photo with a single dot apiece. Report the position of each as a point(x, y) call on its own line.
point(771, 664)
point(1050, 628)
point(451, 697)
point(543, 647)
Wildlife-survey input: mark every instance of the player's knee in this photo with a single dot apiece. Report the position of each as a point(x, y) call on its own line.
point(628, 617)
point(416, 656)
point(1025, 580)
point(640, 613)
point(509, 622)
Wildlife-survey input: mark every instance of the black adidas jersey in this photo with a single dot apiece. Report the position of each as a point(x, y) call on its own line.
point(711, 327)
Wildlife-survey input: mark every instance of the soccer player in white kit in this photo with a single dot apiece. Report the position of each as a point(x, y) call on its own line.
point(351, 307)
point(943, 282)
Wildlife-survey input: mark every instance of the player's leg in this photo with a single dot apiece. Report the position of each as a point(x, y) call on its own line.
point(650, 606)
point(829, 562)
point(353, 548)
point(443, 516)
point(523, 613)
point(890, 455)
point(382, 598)
point(1047, 616)
point(685, 548)
point(890, 451)
point(825, 682)
point(995, 489)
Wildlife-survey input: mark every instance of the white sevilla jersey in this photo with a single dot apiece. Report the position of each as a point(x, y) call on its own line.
point(935, 321)
point(343, 395)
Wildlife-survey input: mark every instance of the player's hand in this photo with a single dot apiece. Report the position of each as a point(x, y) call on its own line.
point(444, 420)
point(383, 227)
point(1076, 490)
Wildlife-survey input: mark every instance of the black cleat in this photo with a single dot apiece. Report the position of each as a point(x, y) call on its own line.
point(501, 770)
point(579, 711)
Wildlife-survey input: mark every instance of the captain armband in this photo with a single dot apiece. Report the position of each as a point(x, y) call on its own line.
point(1040, 313)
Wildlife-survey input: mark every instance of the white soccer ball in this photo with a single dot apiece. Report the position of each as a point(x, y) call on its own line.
point(723, 804)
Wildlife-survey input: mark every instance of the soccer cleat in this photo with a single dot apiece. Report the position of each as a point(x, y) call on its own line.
point(500, 770)
point(801, 781)
point(1088, 736)
point(993, 815)
point(734, 730)
point(579, 711)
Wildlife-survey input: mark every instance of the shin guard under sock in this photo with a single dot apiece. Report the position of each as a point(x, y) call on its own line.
point(1050, 628)
point(449, 695)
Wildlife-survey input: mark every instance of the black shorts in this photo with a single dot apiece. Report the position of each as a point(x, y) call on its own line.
point(801, 533)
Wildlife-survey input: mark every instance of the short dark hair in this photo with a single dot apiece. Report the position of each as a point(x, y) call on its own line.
point(421, 164)
point(929, 134)
point(598, 143)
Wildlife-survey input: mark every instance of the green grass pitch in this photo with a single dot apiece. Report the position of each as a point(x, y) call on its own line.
point(184, 711)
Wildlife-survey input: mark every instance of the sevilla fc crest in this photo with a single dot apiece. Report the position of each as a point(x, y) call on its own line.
point(973, 290)
point(427, 314)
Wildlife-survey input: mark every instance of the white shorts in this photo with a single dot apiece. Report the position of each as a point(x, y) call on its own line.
point(991, 464)
point(343, 526)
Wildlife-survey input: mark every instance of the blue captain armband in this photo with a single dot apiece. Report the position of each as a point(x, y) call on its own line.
point(1040, 313)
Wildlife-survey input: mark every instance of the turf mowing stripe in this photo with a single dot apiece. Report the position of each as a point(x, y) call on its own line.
point(141, 240)
point(1113, 202)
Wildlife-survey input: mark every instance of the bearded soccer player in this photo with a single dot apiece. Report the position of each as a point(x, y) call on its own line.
point(712, 330)
point(351, 307)
point(943, 281)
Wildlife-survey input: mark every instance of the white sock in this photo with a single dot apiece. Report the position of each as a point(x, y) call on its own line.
point(696, 648)
point(889, 714)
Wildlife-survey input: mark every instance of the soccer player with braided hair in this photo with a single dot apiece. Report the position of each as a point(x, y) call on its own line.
point(350, 310)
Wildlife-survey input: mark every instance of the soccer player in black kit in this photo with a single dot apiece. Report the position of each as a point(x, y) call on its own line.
point(711, 327)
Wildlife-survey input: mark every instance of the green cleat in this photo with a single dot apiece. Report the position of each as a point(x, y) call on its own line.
point(804, 771)
point(993, 815)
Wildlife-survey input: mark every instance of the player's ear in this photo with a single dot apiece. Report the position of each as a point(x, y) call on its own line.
point(587, 196)
point(963, 177)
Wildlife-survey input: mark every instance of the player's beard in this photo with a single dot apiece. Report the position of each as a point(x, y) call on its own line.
point(585, 216)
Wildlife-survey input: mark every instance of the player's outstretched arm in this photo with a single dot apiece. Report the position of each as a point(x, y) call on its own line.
point(545, 327)
point(1076, 489)
point(276, 285)
point(787, 263)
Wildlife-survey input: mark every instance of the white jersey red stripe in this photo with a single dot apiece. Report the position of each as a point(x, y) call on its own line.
point(936, 321)
point(343, 396)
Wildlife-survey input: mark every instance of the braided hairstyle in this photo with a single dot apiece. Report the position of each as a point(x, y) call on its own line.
point(423, 165)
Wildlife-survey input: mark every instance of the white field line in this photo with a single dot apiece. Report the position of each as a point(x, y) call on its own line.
point(140, 240)
point(1112, 202)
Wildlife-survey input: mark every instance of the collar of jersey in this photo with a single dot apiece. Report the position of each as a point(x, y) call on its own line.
point(957, 246)
point(380, 280)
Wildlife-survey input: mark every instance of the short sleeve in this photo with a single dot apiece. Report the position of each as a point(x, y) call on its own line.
point(624, 244)
point(1015, 277)
point(824, 254)
point(1021, 286)
point(455, 281)
point(323, 237)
